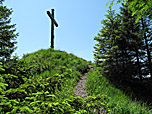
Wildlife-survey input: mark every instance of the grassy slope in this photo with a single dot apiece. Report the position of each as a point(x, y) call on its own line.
point(42, 82)
point(58, 64)
point(119, 102)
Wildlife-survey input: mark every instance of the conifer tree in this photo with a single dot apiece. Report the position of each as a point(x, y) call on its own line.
point(8, 33)
point(123, 46)
point(140, 8)
point(147, 36)
point(106, 51)
point(140, 34)
point(134, 51)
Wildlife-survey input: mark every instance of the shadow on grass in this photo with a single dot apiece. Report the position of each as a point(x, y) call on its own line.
point(140, 91)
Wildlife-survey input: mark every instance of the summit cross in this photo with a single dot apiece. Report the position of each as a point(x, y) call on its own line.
point(53, 22)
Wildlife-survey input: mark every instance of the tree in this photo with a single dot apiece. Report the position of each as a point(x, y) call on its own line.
point(7, 33)
point(134, 52)
point(123, 48)
point(146, 34)
point(139, 7)
point(142, 9)
point(106, 51)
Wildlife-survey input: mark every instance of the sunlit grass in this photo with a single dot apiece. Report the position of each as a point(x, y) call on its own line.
point(119, 102)
point(45, 79)
point(48, 80)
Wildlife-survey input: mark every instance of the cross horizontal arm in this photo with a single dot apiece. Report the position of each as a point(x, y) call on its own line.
point(49, 14)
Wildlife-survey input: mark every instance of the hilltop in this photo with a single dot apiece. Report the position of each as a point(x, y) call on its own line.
point(39, 77)
point(43, 82)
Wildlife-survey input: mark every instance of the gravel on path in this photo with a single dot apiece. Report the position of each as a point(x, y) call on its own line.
point(79, 89)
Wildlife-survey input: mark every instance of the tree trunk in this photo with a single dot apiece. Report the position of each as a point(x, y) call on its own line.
point(148, 51)
point(138, 63)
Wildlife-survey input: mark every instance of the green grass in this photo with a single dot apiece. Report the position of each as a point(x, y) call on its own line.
point(118, 103)
point(42, 83)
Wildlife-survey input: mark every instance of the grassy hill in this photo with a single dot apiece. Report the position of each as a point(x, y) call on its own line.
point(43, 83)
point(40, 82)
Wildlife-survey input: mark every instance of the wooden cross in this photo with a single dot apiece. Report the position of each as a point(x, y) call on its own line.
point(53, 22)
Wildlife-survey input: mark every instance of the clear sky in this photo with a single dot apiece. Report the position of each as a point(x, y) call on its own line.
point(79, 22)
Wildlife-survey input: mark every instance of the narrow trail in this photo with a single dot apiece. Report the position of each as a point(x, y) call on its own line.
point(79, 89)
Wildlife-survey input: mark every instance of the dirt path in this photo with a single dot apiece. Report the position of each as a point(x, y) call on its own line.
point(79, 89)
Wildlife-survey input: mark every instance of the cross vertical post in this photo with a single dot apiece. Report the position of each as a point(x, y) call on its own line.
point(53, 22)
point(52, 31)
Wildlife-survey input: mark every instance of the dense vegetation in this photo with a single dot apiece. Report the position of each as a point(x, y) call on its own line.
point(40, 82)
point(43, 82)
point(141, 8)
point(8, 34)
point(124, 52)
point(124, 45)
point(116, 100)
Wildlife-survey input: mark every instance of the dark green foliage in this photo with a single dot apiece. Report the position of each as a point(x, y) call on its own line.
point(123, 48)
point(123, 51)
point(141, 8)
point(40, 83)
point(7, 33)
point(116, 101)
point(43, 82)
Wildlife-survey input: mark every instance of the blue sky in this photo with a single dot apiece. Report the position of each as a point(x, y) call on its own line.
point(79, 22)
